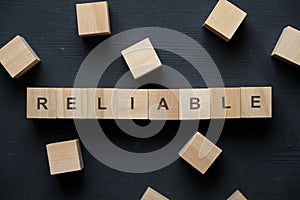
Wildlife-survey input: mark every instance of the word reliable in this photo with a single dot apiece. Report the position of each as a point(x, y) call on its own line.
point(153, 104)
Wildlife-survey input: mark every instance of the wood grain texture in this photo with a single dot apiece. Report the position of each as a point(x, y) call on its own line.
point(17, 57)
point(141, 58)
point(64, 157)
point(163, 104)
point(288, 46)
point(151, 194)
point(224, 19)
point(93, 19)
point(200, 152)
point(237, 195)
point(41, 103)
point(225, 103)
point(132, 104)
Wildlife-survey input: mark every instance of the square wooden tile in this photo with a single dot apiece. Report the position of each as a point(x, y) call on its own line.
point(225, 19)
point(93, 19)
point(225, 103)
point(64, 157)
point(141, 58)
point(200, 152)
point(132, 104)
point(151, 194)
point(237, 195)
point(194, 104)
point(17, 57)
point(163, 104)
point(256, 102)
point(41, 103)
point(288, 46)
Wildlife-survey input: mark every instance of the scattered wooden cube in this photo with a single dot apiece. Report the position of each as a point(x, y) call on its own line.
point(256, 102)
point(200, 152)
point(224, 20)
point(93, 19)
point(102, 103)
point(141, 58)
point(17, 57)
point(237, 195)
point(64, 157)
point(151, 194)
point(288, 46)
point(71, 103)
point(225, 103)
point(41, 103)
point(194, 104)
point(132, 104)
point(163, 104)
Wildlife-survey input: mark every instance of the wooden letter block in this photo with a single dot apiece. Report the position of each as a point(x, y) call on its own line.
point(141, 58)
point(224, 20)
point(200, 152)
point(237, 195)
point(256, 102)
point(17, 57)
point(151, 194)
point(102, 103)
point(163, 104)
point(64, 157)
point(132, 104)
point(41, 103)
point(71, 103)
point(194, 104)
point(288, 46)
point(225, 103)
point(93, 19)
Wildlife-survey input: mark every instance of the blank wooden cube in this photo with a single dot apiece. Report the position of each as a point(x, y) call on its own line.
point(17, 57)
point(93, 19)
point(71, 103)
point(41, 103)
point(288, 46)
point(64, 157)
point(163, 104)
point(200, 152)
point(141, 58)
point(256, 102)
point(225, 103)
point(132, 104)
point(151, 194)
point(224, 20)
point(102, 103)
point(237, 195)
point(194, 104)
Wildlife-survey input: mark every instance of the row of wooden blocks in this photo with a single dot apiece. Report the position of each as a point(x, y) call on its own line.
point(151, 194)
point(199, 152)
point(153, 104)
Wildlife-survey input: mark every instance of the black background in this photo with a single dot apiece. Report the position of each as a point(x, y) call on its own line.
point(260, 157)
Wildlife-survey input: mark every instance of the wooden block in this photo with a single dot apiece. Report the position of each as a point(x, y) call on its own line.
point(17, 57)
point(132, 104)
point(194, 104)
point(225, 103)
point(237, 195)
point(163, 104)
point(256, 102)
point(288, 46)
point(71, 103)
point(102, 103)
point(141, 58)
point(200, 152)
point(41, 103)
point(151, 194)
point(93, 19)
point(64, 157)
point(224, 20)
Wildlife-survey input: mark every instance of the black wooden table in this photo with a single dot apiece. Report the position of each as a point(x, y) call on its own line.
point(261, 157)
